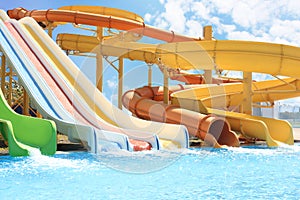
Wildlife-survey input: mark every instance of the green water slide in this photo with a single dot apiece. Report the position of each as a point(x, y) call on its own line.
point(24, 133)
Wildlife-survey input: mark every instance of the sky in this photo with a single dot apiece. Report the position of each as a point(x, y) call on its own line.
point(255, 20)
point(259, 20)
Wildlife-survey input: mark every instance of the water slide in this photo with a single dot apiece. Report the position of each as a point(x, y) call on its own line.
point(226, 54)
point(102, 17)
point(239, 122)
point(249, 56)
point(47, 102)
point(213, 130)
point(231, 95)
point(146, 103)
point(233, 92)
point(209, 125)
point(23, 133)
point(85, 93)
point(83, 110)
point(274, 59)
point(214, 98)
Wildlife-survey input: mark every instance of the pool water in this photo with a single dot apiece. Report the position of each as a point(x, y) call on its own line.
point(255, 172)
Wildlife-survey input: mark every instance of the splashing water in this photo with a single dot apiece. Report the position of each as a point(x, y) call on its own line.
point(233, 173)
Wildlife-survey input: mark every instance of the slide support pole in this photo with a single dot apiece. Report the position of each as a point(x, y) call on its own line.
point(247, 93)
point(207, 34)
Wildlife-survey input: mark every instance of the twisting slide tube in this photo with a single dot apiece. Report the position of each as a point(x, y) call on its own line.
point(215, 131)
point(76, 17)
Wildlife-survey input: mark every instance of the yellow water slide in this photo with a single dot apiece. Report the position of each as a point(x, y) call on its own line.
point(215, 99)
point(227, 95)
point(260, 57)
point(231, 95)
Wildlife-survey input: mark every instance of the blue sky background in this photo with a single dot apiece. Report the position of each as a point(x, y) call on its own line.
point(256, 20)
point(137, 6)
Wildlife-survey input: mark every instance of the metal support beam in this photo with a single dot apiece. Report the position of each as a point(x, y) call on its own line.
point(247, 93)
point(120, 81)
point(99, 62)
point(207, 35)
point(166, 86)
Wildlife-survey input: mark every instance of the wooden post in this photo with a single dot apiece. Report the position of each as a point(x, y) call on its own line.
point(207, 35)
point(120, 81)
point(3, 70)
point(166, 86)
point(99, 62)
point(9, 92)
point(149, 75)
point(50, 29)
point(25, 103)
point(247, 93)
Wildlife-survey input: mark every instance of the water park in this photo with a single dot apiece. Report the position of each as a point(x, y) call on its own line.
point(179, 108)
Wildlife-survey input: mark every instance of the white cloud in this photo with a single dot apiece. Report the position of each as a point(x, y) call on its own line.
point(200, 10)
point(177, 21)
point(293, 7)
point(194, 28)
point(112, 84)
point(148, 17)
point(226, 28)
point(161, 23)
point(287, 29)
point(240, 35)
point(241, 14)
point(246, 20)
point(221, 6)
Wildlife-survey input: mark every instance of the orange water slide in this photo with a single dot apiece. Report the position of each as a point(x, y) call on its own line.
point(189, 78)
point(109, 21)
point(143, 102)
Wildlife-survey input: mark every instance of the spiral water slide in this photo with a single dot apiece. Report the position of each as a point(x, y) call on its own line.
point(214, 96)
point(266, 129)
point(183, 53)
point(170, 135)
point(228, 95)
point(139, 101)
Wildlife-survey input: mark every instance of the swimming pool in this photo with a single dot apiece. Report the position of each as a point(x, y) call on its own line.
point(254, 172)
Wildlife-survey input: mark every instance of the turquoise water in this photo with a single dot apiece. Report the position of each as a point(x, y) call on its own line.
point(235, 173)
